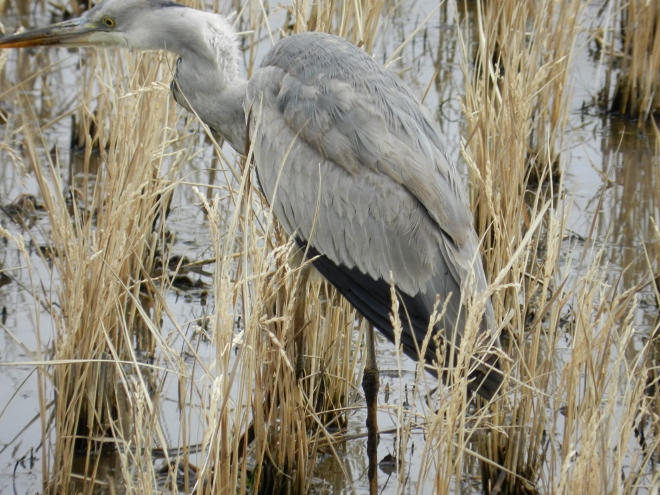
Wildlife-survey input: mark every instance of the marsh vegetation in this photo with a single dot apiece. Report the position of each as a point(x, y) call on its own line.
point(149, 311)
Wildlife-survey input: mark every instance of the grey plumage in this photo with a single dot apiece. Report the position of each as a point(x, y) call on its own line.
point(352, 165)
point(355, 167)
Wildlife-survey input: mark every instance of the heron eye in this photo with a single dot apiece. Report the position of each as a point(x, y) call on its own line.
point(109, 21)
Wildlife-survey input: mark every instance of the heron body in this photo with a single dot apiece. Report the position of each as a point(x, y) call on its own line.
point(352, 165)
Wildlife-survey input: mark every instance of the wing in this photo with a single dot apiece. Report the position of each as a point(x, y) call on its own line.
point(353, 167)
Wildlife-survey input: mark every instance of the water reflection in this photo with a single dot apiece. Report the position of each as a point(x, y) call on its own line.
point(628, 218)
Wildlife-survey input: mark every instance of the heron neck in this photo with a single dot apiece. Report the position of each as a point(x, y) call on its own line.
point(219, 105)
point(207, 81)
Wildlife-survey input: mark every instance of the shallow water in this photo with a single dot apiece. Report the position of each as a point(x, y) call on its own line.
point(611, 177)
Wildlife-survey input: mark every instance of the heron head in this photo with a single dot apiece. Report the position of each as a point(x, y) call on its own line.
point(136, 24)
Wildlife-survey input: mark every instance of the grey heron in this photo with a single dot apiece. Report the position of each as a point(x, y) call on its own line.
point(354, 168)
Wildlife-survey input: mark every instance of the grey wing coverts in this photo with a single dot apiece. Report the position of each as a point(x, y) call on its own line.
point(354, 168)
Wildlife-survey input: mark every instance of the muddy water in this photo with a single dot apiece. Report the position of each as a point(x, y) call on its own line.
point(611, 178)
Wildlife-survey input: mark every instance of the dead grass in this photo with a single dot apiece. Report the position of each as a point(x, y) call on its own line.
point(632, 51)
point(575, 406)
point(103, 302)
point(567, 323)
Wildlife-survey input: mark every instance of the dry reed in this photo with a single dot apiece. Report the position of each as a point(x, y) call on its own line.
point(632, 48)
point(574, 399)
point(105, 260)
point(103, 256)
point(562, 415)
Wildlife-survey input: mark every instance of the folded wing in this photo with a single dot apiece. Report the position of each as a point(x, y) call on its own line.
point(354, 168)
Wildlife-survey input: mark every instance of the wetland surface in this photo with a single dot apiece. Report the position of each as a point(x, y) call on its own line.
point(610, 190)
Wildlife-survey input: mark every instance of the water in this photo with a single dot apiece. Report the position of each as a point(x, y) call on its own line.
point(611, 180)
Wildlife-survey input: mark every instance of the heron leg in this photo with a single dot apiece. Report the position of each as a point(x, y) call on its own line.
point(370, 386)
point(299, 321)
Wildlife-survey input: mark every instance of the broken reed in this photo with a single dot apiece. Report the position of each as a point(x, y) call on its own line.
point(631, 51)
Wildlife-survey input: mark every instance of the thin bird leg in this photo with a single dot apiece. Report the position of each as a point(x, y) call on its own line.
point(299, 323)
point(370, 386)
